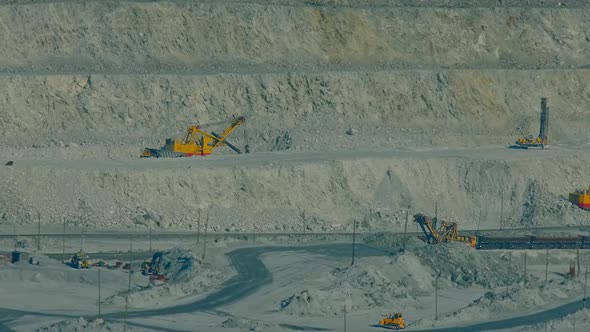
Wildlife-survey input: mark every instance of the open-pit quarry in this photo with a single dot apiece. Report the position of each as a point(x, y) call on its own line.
point(359, 114)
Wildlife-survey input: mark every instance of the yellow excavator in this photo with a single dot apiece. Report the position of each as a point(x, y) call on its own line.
point(445, 233)
point(540, 141)
point(394, 321)
point(196, 142)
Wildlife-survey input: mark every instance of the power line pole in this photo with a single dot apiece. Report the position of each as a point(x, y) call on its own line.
point(478, 222)
point(574, 314)
point(406, 230)
point(63, 242)
point(199, 227)
point(345, 318)
point(525, 268)
point(353, 241)
point(547, 266)
point(150, 239)
point(127, 302)
point(98, 292)
point(501, 212)
point(578, 255)
point(39, 232)
point(435, 214)
point(508, 281)
point(205, 235)
point(436, 298)
point(585, 284)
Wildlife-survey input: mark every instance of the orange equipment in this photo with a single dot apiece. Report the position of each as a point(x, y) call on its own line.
point(581, 198)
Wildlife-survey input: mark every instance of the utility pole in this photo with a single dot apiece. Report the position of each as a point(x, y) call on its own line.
point(478, 222)
point(127, 302)
point(435, 215)
point(150, 239)
point(574, 314)
point(508, 281)
point(501, 212)
point(436, 298)
point(39, 232)
point(353, 241)
point(578, 255)
point(81, 240)
point(302, 215)
point(525, 268)
point(585, 284)
point(547, 265)
point(406, 230)
point(205, 235)
point(15, 237)
point(345, 318)
point(130, 246)
point(98, 292)
point(304, 226)
point(63, 242)
point(199, 227)
point(545, 326)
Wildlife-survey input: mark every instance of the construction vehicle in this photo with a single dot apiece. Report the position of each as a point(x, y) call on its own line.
point(196, 142)
point(145, 267)
point(80, 260)
point(540, 141)
point(581, 198)
point(445, 233)
point(394, 321)
point(155, 263)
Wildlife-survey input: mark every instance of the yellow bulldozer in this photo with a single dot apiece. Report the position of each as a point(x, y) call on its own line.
point(196, 142)
point(394, 321)
point(80, 260)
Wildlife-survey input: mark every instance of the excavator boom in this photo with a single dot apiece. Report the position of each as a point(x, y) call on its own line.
point(221, 138)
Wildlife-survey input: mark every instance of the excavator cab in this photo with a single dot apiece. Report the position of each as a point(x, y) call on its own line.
point(394, 321)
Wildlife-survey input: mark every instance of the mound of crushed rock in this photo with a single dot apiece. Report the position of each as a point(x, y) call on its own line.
point(539, 202)
point(464, 266)
point(245, 324)
point(370, 283)
point(185, 275)
point(82, 325)
point(582, 323)
point(398, 280)
point(535, 295)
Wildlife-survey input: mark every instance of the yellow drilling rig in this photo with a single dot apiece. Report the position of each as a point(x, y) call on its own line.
point(540, 141)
